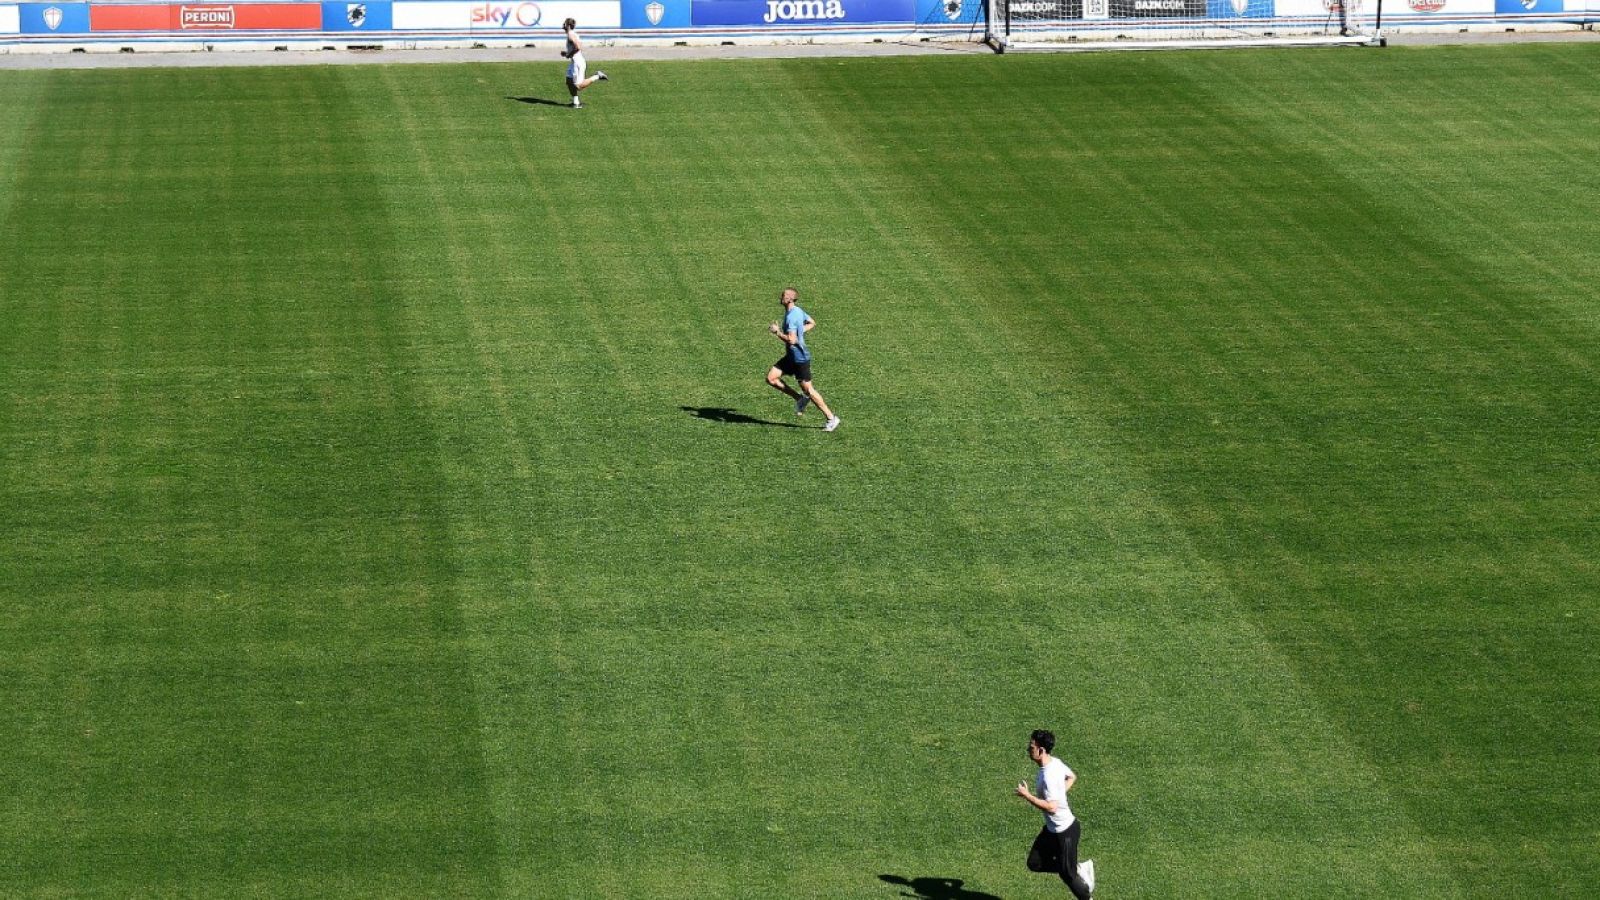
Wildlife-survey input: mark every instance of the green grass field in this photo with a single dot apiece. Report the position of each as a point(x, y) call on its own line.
point(391, 505)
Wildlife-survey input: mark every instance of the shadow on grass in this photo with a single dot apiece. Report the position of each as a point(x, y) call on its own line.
point(936, 888)
point(539, 101)
point(728, 416)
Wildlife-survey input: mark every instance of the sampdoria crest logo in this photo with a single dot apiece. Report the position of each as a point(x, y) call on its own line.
point(356, 14)
point(1240, 7)
point(52, 18)
point(1529, 4)
point(654, 12)
point(952, 9)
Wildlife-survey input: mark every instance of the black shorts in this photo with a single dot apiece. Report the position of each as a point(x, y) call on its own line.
point(800, 370)
point(1057, 853)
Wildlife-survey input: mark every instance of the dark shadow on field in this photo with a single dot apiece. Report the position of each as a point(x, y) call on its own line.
point(936, 888)
point(539, 101)
point(728, 416)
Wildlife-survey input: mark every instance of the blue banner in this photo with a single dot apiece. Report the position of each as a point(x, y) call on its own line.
point(54, 18)
point(1503, 7)
point(649, 14)
point(949, 12)
point(780, 13)
point(1239, 9)
point(372, 16)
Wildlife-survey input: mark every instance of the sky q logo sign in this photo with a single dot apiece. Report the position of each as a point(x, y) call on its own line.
point(52, 18)
point(523, 15)
point(205, 17)
point(802, 10)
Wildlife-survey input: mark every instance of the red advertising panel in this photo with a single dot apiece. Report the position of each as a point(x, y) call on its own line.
point(129, 18)
point(193, 17)
point(274, 16)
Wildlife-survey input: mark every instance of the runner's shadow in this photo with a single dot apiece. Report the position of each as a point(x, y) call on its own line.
point(538, 101)
point(936, 888)
point(727, 416)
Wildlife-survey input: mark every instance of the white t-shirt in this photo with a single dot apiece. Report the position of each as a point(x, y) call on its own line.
point(577, 66)
point(1051, 786)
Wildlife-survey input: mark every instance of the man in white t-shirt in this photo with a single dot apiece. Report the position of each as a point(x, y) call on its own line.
point(577, 66)
point(1056, 847)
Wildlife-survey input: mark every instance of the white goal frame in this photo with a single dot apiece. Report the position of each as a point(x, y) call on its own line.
point(1181, 24)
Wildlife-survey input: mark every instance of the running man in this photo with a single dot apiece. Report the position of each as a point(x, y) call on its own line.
point(796, 359)
point(1056, 847)
point(574, 52)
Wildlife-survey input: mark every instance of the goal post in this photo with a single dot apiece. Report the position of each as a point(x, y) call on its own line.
point(1176, 24)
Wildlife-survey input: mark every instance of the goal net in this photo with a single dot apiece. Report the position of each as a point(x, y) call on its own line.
point(1154, 24)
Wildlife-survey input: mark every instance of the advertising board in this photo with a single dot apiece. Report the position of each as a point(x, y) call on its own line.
point(55, 18)
point(10, 20)
point(519, 15)
point(1099, 10)
point(1441, 7)
point(345, 16)
point(1159, 9)
point(1528, 7)
point(780, 13)
point(1330, 9)
point(647, 14)
point(194, 18)
point(1239, 9)
point(136, 17)
point(949, 12)
point(1047, 10)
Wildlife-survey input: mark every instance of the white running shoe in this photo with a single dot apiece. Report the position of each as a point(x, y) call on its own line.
point(832, 424)
point(602, 76)
point(1086, 872)
point(576, 104)
point(801, 404)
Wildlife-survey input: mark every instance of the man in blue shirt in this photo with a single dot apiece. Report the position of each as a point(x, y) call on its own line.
point(796, 359)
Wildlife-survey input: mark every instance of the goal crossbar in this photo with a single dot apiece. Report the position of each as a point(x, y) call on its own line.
point(1090, 25)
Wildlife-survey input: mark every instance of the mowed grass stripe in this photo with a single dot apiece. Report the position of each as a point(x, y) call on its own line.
point(244, 674)
point(19, 107)
point(1471, 360)
point(1389, 850)
point(1385, 360)
point(571, 369)
point(470, 251)
point(1500, 541)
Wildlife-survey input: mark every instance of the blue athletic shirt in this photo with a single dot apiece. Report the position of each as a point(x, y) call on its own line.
point(795, 321)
